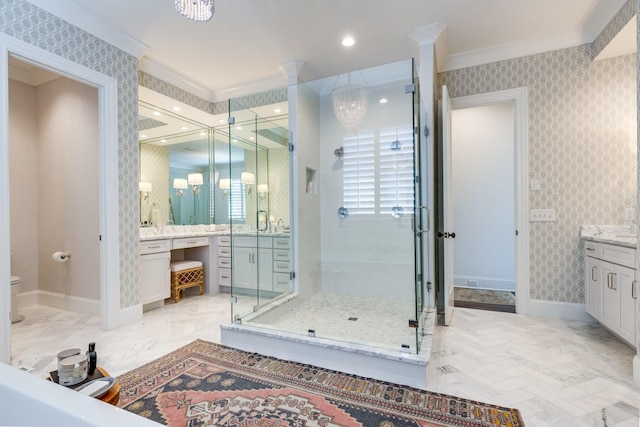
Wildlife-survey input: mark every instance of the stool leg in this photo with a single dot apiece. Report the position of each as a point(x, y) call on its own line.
point(201, 288)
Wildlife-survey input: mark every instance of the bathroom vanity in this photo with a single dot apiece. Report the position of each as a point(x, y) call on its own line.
point(263, 259)
point(611, 287)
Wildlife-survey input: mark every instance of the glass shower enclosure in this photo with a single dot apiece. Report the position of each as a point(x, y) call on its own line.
point(356, 212)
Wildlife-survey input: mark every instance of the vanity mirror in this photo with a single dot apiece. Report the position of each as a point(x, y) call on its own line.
point(213, 172)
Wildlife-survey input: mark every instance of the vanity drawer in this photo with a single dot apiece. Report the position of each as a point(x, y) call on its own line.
point(224, 262)
point(281, 255)
point(252, 242)
point(590, 248)
point(281, 266)
point(617, 254)
point(281, 243)
point(224, 277)
point(224, 251)
point(190, 242)
point(281, 282)
point(154, 246)
point(224, 240)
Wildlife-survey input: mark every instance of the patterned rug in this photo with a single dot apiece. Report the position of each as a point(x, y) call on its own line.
point(206, 384)
point(485, 299)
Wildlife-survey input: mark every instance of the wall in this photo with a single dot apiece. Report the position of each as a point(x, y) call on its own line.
point(23, 162)
point(26, 22)
point(369, 254)
point(68, 214)
point(582, 148)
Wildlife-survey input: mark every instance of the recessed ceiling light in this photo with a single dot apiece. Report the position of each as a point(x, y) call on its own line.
point(221, 121)
point(157, 113)
point(277, 110)
point(239, 127)
point(234, 140)
point(252, 138)
point(176, 108)
point(383, 100)
point(143, 136)
point(163, 140)
point(348, 41)
point(184, 128)
point(203, 134)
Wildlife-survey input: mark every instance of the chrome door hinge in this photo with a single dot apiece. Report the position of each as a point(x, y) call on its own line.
point(413, 323)
point(291, 147)
point(410, 88)
point(292, 275)
point(426, 130)
point(231, 120)
point(429, 286)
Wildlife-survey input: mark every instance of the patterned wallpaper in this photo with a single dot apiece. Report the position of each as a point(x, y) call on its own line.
point(30, 24)
point(154, 168)
point(582, 148)
point(613, 28)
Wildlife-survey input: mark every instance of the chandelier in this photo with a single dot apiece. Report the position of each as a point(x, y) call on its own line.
point(350, 103)
point(196, 10)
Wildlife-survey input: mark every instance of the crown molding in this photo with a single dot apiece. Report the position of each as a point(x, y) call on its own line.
point(174, 78)
point(94, 25)
point(514, 50)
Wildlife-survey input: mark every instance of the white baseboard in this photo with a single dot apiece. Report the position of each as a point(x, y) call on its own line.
point(81, 305)
point(484, 283)
point(559, 310)
point(27, 299)
point(130, 315)
point(636, 371)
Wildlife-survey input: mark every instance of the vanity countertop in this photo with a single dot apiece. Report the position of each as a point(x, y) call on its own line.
point(620, 235)
point(178, 231)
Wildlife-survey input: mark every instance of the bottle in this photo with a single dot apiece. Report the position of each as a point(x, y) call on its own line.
point(93, 358)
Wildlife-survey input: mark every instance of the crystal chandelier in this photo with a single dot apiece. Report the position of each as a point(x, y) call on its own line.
point(350, 103)
point(196, 10)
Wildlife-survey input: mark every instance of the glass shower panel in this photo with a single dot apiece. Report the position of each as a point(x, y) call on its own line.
point(356, 210)
point(260, 193)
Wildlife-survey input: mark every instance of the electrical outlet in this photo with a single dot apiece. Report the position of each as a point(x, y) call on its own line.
point(542, 215)
point(534, 184)
point(629, 214)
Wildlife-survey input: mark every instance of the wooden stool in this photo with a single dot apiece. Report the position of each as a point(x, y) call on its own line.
point(186, 274)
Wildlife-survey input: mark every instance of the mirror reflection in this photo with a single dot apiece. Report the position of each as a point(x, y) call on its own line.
point(195, 173)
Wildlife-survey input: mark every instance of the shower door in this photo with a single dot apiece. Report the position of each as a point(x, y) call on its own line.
point(259, 208)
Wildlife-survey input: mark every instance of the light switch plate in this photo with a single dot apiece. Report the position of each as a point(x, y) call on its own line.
point(542, 215)
point(534, 184)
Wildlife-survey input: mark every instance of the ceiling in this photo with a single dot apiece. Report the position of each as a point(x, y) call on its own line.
point(241, 49)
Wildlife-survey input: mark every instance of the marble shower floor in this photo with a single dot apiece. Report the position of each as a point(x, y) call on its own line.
point(557, 373)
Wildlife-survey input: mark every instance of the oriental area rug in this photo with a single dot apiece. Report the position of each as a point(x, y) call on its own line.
point(206, 384)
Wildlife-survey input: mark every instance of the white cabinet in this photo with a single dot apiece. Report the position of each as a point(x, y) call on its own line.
point(281, 264)
point(223, 248)
point(155, 275)
point(253, 263)
point(610, 279)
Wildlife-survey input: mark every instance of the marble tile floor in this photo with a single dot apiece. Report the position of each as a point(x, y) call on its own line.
point(557, 373)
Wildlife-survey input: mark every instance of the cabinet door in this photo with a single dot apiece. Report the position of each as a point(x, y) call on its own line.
point(627, 317)
point(609, 306)
point(155, 277)
point(265, 269)
point(592, 287)
point(244, 272)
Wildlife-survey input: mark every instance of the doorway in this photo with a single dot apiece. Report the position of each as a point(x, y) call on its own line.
point(490, 197)
point(107, 189)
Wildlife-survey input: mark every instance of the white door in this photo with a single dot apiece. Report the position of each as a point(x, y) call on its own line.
point(446, 232)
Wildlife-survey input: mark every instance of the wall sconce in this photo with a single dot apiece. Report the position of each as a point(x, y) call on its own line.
point(225, 185)
point(263, 189)
point(145, 189)
point(248, 179)
point(180, 184)
point(195, 179)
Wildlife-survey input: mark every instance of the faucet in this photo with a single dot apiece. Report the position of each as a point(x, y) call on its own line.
point(266, 220)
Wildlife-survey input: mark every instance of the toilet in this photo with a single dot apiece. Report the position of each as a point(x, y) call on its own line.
point(16, 284)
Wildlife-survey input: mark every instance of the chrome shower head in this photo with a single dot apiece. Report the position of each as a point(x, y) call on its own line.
point(339, 152)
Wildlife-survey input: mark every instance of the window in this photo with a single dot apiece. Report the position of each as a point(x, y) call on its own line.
point(237, 201)
point(378, 174)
